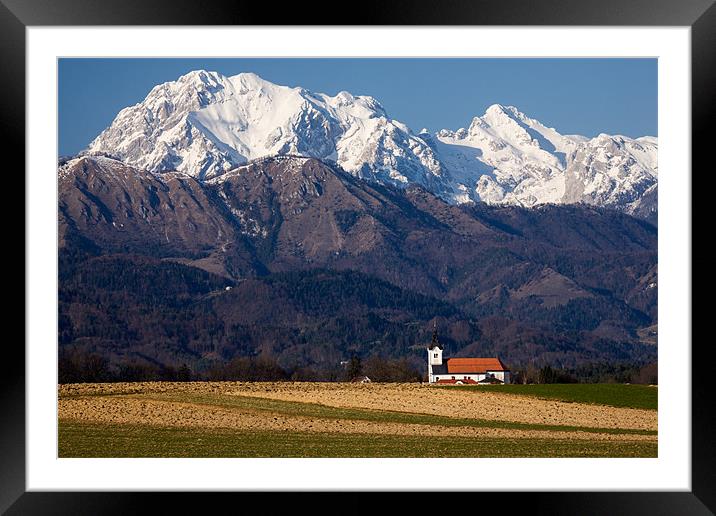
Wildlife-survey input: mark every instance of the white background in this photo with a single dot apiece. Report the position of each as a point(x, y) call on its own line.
point(672, 468)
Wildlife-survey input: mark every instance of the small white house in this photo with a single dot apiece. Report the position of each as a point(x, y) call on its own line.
point(458, 371)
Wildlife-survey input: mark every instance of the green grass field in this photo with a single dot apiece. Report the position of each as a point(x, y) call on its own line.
point(615, 395)
point(99, 440)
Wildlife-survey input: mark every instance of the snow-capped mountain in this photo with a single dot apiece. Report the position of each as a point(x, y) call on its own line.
point(614, 171)
point(204, 124)
point(523, 162)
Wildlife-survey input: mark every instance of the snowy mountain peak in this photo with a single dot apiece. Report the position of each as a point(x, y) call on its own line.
point(248, 78)
point(199, 77)
point(503, 113)
point(205, 123)
point(495, 109)
point(507, 157)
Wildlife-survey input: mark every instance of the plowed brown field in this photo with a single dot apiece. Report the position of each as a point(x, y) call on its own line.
point(335, 409)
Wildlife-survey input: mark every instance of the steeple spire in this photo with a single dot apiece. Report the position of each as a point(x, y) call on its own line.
point(435, 342)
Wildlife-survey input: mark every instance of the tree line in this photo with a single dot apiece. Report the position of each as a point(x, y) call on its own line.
point(78, 366)
point(600, 372)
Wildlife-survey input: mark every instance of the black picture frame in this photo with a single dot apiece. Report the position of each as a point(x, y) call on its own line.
point(700, 15)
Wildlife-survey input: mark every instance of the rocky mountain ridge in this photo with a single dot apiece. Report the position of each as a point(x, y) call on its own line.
point(205, 124)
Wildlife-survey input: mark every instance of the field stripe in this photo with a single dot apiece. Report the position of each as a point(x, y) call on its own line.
point(101, 440)
point(612, 395)
point(308, 409)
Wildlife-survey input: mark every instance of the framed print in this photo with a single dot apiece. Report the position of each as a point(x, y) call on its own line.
point(419, 252)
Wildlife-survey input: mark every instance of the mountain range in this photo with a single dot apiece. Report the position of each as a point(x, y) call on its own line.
point(205, 124)
point(297, 259)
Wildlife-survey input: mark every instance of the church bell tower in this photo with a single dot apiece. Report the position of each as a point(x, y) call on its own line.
point(435, 353)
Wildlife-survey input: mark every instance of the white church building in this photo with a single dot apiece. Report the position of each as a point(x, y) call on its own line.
point(457, 371)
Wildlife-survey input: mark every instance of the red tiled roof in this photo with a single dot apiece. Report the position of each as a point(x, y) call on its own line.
point(474, 365)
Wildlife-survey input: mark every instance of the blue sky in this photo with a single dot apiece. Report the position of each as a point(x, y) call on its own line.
point(575, 96)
